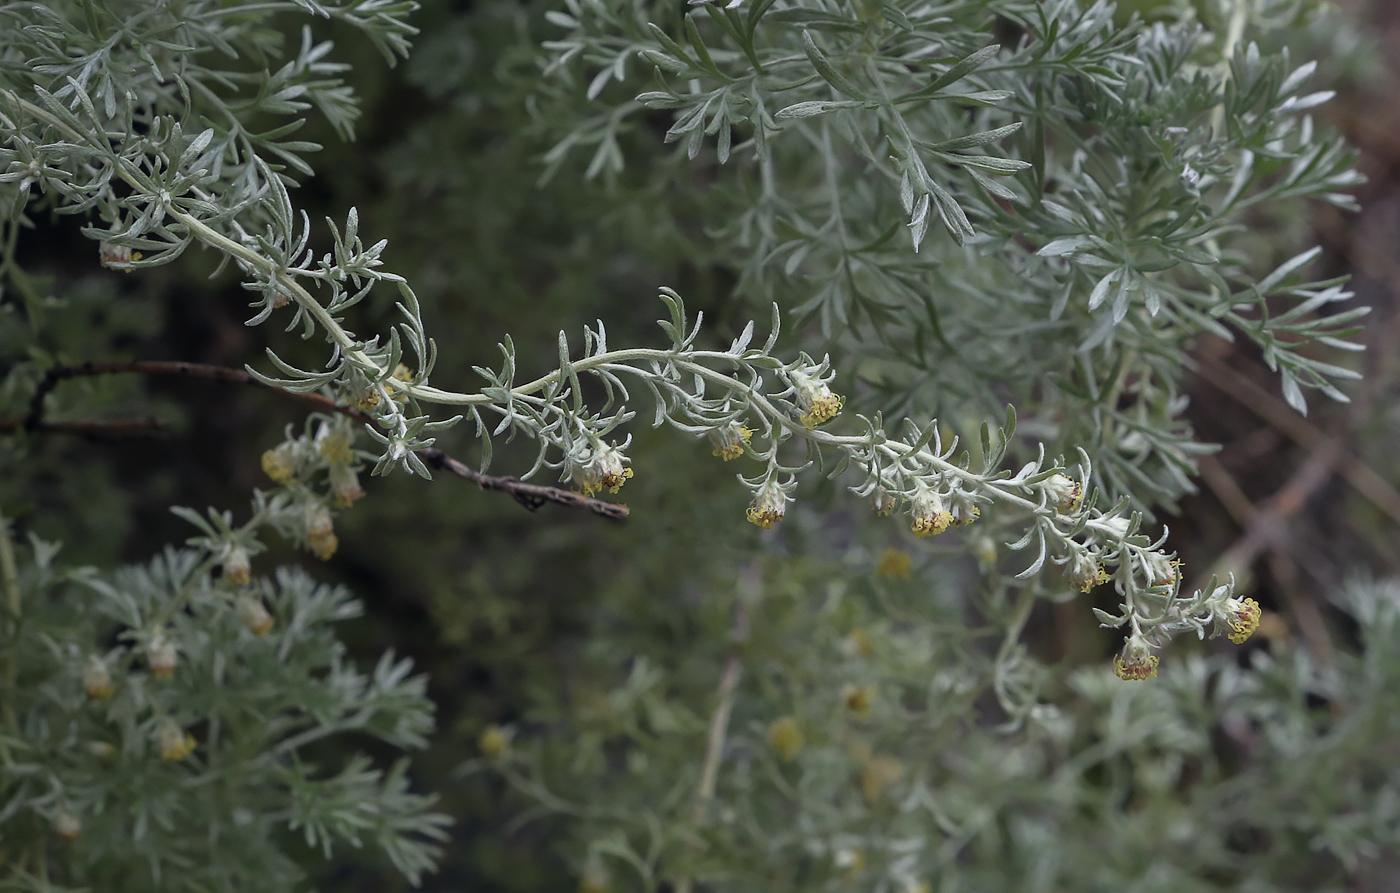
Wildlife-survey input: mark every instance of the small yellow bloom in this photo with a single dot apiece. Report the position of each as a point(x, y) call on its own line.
point(320, 531)
point(965, 511)
point(785, 737)
point(894, 564)
point(280, 464)
point(879, 773)
point(1137, 662)
point(1084, 573)
point(407, 376)
point(345, 486)
point(603, 469)
point(1065, 493)
point(930, 515)
point(857, 642)
point(174, 742)
point(730, 441)
point(494, 742)
point(1243, 616)
point(819, 405)
point(161, 656)
point(97, 680)
point(253, 615)
point(857, 699)
point(238, 567)
point(66, 826)
point(769, 505)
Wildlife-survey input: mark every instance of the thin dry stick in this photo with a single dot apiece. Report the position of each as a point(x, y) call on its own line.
point(98, 430)
point(1281, 563)
point(1271, 409)
point(532, 496)
point(719, 725)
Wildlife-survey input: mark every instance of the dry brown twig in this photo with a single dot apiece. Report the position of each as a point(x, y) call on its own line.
point(532, 496)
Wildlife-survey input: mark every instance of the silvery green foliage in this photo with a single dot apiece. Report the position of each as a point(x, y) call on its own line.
point(978, 202)
point(1214, 777)
point(183, 177)
point(982, 201)
point(162, 728)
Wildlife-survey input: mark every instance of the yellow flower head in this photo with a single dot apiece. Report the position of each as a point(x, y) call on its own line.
point(238, 567)
point(769, 505)
point(730, 440)
point(785, 737)
point(604, 468)
point(1066, 494)
point(879, 773)
point(494, 742)
point(253, 615)
point(1084, 572)
point(161, 656)
point(857, 699)
point(280, 464)
point(174, 742)
point(1243, 615)
point(930, 515)
point(1137, 662)
point(894, 564)
point(819, 405)
point(97, 680)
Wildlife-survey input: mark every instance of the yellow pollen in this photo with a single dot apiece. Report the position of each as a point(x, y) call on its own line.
point(823, 410)
point(1135, 669)
point(1245, 621)
point(932, 524)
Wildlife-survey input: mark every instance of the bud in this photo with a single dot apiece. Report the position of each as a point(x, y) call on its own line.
point(1083, 572)
point(66, 826)
point(345, 486)
point(104, 752)
point(109, 255)
point(174, 742)
point(253, 615)
point(320, 530)
point(1065, 494)
point(965, 511)
point(161, 656)
point(1161, 570)
point(97, 679)
point(785, 737)
point(238, 568)
point(280, 463)
point(595, 880)
point(883, 502)
point(494, 742)
point(336, 447)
